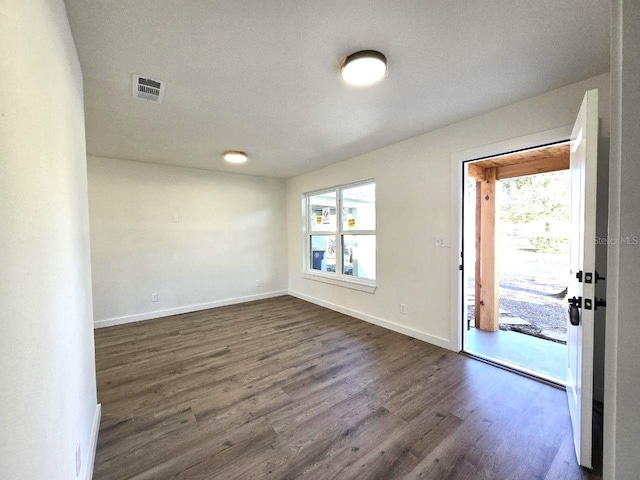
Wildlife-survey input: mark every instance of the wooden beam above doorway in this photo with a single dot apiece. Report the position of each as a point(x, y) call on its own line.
point(543, 165)
point(521, 164)
point(476, 172)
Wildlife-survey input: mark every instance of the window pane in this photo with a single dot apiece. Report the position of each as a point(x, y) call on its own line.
point(359, 256)
point(322, 212)
point(359, 207)
point(323, 253)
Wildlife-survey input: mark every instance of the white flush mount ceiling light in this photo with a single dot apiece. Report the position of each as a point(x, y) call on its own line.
point(233, 156)
point(364, 68)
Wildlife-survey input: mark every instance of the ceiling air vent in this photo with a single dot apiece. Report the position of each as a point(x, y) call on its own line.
point(148, 89)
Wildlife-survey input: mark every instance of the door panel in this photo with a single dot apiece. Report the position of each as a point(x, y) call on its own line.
point(584, 158)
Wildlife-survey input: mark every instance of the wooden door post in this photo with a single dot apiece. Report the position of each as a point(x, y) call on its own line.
point(486, 301)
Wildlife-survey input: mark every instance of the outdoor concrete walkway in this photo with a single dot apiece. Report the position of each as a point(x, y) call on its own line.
point(542, 357)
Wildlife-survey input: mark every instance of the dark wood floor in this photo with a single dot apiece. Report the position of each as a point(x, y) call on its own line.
point(283, 389)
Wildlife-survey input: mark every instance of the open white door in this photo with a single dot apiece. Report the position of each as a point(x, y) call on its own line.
point(581, 291)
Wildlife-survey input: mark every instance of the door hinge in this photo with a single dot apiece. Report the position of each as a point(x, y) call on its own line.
point(579, 276)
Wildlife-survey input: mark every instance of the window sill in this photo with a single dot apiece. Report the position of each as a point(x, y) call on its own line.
point(353, 284)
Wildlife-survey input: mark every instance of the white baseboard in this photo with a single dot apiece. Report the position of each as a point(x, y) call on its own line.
point(425, 337)
point(93, 443)
point(108, 322)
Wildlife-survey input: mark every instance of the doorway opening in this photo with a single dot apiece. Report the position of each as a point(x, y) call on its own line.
point(516, 230)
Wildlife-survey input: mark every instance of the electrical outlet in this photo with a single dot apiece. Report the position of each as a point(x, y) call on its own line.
point(78, 460)
point(258, 283)
point(154, 297)
point(403, 309)
point(176, 218)
point(442, 241)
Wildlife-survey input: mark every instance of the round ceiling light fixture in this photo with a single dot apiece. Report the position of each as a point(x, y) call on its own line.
point(233, 156)
point(364, 68)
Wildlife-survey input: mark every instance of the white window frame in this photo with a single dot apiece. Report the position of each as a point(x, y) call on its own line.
point(338, 278)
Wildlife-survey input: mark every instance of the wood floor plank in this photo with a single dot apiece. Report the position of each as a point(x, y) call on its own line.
point(283, 389)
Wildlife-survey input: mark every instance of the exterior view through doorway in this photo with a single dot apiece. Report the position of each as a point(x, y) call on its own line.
point(516, 230)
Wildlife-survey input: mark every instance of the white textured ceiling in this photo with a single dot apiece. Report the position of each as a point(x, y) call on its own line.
point(263, 76)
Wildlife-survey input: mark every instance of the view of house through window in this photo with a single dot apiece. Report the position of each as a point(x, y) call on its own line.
point(345, 245)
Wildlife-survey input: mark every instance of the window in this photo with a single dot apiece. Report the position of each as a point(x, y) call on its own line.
point(343, 246)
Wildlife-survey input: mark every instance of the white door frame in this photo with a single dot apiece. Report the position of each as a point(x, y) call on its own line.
point(457, 161)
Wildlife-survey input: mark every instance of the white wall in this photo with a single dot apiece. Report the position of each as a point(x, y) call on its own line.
point(622, 377)
point(229, 234)
point(47, 368)
point(413, 190)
